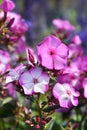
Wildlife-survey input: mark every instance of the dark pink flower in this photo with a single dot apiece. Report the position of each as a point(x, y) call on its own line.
point(31, 57)
point(66, 95)
point(7, 5)
point(52, 53)
point(19, 26)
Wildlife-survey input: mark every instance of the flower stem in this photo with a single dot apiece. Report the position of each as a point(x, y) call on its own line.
point(39, 111)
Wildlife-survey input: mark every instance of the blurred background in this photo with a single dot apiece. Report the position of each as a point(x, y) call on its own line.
point(40, 13)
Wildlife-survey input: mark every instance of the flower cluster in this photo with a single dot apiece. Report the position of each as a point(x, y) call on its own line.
point(57, 68)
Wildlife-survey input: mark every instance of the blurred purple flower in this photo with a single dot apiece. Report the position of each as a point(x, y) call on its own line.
point(63, 24)
point(4, 61)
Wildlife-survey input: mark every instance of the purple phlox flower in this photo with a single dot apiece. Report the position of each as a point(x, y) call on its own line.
point(19, 26)
point(75, 50)
point(52, 53)
point(7, 5)
point(34, 81)
point(4, 61)
point(31, 57)
point(81, 63)
point(21, 45)
point(14, 74)
point(84, 84)
point(66, 95)
point(63, 24)
point(11, 90)
point(76, 40)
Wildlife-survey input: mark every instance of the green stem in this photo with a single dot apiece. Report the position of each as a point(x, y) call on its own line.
point(81, 122)
point(2, 126)
point(39, 111)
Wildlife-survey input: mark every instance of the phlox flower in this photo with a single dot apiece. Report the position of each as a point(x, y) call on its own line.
point(11, 90)
point(75, 51)
point(19, 26)
point(4, 61)
point(52, 53)
point(84, 84)
point(63, 24)
point(14, 74)
point(7, 5)
point(66, 95)
point(80, 63)
point(31, 57)
point(76, 40)
point(34, 81)
point(21, 45)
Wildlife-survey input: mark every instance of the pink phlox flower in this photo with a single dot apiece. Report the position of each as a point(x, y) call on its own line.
point(19, 26)
point(52, 53)
point(7, 5)
point(75, 51)
point(31, 57)
point(14, 74)
point(63, 24)
point(11, 89)
point(71, 75)
point(66, 95)
point(21, 45)
point(4, 61)
point(84, 84)
point(80, 63)
point(76, 40)
point(34, 81)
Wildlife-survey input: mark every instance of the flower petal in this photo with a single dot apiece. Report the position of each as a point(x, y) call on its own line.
point(40, 88)
point(58, 90)
point(64, 101)
point(28, 88)
point(74, 100)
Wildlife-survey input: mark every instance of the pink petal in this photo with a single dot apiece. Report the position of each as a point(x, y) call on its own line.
point(59, 63)
point(35, 72)
point(28, 88)
point(64, 100)
point(44, 78)
point(25, 78)
point(40, 88)
point(62, 50)
point(74, 100)
point(58, 90)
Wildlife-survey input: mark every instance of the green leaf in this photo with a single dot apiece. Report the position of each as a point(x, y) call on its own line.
point(51, 108)
point(85, 124)
point(7, 100)
point(7, 110)
point(49, 125)
point(52, 125)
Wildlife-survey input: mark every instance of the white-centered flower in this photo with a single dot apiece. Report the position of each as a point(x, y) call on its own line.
point(34, 81)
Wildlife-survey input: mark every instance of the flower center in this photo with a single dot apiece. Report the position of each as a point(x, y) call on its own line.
point(52, 52)
point(35, 81)
point(68, 92)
